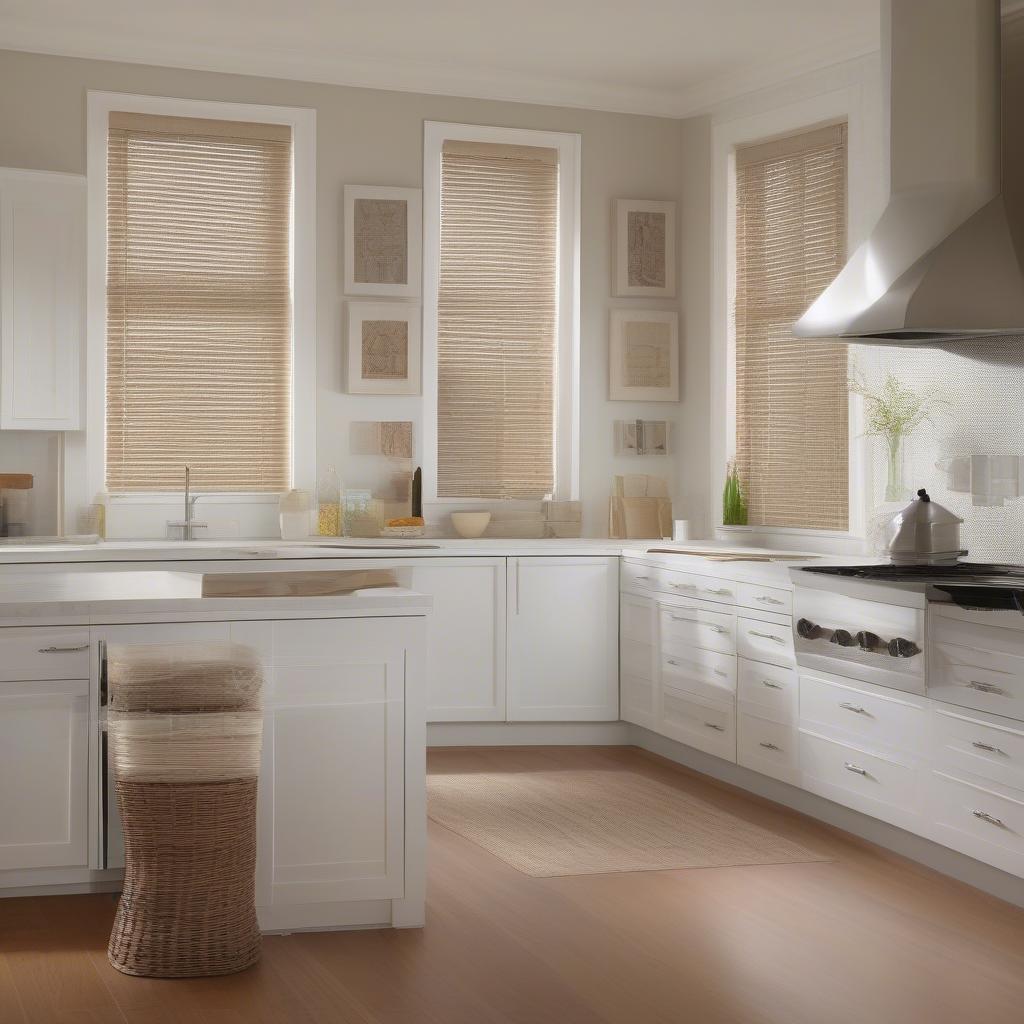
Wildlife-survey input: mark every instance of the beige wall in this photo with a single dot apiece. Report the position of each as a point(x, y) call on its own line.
point(375, 137)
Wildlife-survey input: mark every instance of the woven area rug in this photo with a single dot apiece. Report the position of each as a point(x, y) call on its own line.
point(590, 822)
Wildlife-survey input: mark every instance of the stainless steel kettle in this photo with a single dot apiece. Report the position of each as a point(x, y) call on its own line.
point(924, 532)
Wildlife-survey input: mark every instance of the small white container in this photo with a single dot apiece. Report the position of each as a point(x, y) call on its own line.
point(294, 509)
point(470, 524)
point(681, 529)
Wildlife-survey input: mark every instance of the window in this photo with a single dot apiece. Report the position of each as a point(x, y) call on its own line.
point(199, 334)
point(792, 438)
point(501, 310)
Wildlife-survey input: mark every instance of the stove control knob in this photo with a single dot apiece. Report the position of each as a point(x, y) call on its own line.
point(808, 630)
point(843, 638)
point(868, 641)
point(903, 648)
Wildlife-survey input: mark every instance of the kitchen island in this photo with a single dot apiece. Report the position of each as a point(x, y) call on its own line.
point(341, 815)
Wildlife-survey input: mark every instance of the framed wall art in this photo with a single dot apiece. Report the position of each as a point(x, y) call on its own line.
point(645, 248)
point(643, 355)
point(383, 240)
point(383, 348)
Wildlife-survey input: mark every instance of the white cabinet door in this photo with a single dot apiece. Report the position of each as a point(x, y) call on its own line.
point(44, 768)
point(466, 638)
point(563, 634)
point(332, 785)
point(42, 299)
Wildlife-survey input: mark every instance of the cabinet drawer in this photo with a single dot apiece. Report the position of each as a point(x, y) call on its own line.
point(987, 680)
point(879, 721)
point(767, 599)
point(707, 725)
point(704, 673)
point(869, 783)
point(979, 821)
point(966, 743)
point(638, 577)
point(768, 747)
point(636, 619)
point(636, 659)
point(637, 701)
point(37, 652)
point(697, 625)
point(770, 641)
point(768, 691)
point(688, 584)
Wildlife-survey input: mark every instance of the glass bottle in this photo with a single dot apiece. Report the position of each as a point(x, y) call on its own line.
point(328, 503)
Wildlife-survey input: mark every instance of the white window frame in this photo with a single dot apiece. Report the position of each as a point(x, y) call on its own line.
point(567, 390)
point(847, 104)
point(147, 512)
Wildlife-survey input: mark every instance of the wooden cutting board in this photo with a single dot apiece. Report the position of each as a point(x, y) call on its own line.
point(16, 481)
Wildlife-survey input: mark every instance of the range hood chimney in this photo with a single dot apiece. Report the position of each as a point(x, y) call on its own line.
point(944, 260)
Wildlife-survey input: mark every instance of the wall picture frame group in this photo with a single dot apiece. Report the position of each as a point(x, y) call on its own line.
point(383, 240)
point(643, 355)
point(645, 249)
point(383, 348)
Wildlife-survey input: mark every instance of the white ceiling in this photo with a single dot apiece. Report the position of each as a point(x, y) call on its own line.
point(671, 57)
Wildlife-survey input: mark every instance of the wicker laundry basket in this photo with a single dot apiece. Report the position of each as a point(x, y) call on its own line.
point(185, 724)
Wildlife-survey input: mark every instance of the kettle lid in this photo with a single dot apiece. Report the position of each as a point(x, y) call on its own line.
point(923, 510)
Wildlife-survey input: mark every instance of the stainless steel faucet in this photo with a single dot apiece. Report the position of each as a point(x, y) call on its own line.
point(185, 530)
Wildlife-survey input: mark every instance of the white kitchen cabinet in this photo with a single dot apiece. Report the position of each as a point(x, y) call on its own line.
point(44, 758)
point(42, 299)
point(563, 626)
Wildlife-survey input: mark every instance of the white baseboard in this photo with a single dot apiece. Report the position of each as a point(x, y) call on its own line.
point(531, 734)
point(940, 858)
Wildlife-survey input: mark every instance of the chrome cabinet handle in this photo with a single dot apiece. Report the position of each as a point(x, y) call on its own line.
point(768, 600)
point(720, 592)
point(855, 708)
point(717, 629)
point(988, 747)
point(672, 661)
point(683, 586)
point(767, 636)
point(717, 728)
point(63, 650)
point(974, 684)
point(991, 819)
point(770, 746)
point(771, 685)
point(719, 672)
point(855, 768)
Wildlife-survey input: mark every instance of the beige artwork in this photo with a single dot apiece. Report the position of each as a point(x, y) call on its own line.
point(391, 438)
point(647, 354)
point(646, 249)
point(385, 349)
point(380, 241)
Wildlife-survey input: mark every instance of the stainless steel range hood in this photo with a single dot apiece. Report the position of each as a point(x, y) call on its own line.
point(944, 261)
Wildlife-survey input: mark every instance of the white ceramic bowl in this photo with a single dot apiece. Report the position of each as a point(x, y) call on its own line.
point(470, 524)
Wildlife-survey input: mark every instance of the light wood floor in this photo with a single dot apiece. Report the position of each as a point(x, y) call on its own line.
point(867, 938)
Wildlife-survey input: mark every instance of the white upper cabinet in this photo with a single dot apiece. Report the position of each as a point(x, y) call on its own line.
point(42, 299)
point(563, 633)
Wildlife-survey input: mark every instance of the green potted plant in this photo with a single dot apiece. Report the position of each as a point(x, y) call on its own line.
point(734, 508)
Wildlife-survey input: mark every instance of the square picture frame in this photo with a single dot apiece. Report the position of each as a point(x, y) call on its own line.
point(645, 249)
point(383, 358)
point(383, 240)
point(643, 355)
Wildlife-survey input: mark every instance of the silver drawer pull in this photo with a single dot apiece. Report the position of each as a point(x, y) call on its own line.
point(717, 629)
point(684, 586)
point(855, 708)
point(720, 593)
point(719, 672)
point(717, 728)
point(767, 636)
point(771, 685)
point(770, 746)
point(986, 687)
point(768, 600)
point(63, 650)
point(855, 768)
point(991, 819)
point(643, 577)
point(671, 661)
point(988, 747)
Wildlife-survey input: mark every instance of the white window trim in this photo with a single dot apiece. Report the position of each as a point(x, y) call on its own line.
point(303, 287)
point(567, 391)
point(848, 104)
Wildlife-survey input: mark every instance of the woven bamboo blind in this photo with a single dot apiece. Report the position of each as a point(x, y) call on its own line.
point(791, 396)
point(497, 321)
point(198, 304)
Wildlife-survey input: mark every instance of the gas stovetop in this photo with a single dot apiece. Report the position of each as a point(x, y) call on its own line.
point(969, 584)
